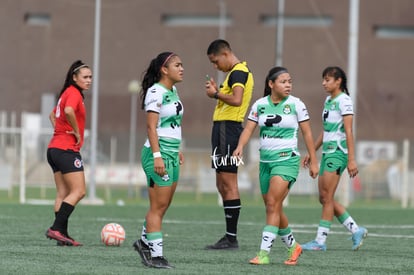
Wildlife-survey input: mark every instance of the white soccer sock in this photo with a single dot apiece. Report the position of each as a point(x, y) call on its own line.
point(350, 225)
point(267, 241)
point(144, 234)
point(154, 240)
point(288, 240)
point(322, 234)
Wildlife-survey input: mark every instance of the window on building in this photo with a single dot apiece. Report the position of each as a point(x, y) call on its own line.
point(37, 19)
point(297, 21)
point(195, 20)
point(394, 32)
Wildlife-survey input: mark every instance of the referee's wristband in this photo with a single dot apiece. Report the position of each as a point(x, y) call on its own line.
point(216, 95)
point(156, 154)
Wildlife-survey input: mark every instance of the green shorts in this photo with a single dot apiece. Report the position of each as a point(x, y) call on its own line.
point(333, 162)
point(172, 167)
point(288, 170)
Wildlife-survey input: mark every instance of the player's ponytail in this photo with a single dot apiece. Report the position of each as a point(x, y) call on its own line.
point(73, 69)
point(153, 73)
point(337, 73)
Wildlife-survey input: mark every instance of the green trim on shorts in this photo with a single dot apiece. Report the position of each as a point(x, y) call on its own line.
point(172, 167)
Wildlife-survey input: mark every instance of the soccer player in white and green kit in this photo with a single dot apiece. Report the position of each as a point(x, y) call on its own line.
point(279, 116)
point(338, 154)
point(160, 156)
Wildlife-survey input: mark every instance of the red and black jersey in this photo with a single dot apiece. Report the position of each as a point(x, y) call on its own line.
point(61, 139)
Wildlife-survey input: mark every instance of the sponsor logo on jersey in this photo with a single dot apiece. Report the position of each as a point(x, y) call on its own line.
point(272, 119)
point(178, 107)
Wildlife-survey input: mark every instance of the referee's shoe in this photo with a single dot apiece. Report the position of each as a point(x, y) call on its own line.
point(224, 244)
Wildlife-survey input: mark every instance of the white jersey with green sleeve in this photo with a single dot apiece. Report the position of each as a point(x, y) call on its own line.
point(279, 124)
point(333, 122)
point(170, 109)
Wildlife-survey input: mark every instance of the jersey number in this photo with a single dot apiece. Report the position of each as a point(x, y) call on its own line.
point(58, 108)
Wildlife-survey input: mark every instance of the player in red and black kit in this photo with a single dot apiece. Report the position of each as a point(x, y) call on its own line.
point(68, 120)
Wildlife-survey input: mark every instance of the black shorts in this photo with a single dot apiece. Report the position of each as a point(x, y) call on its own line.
point(224, 139)
point(64, 161)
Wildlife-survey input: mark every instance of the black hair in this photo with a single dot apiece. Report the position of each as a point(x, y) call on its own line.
point(73, 70)
point(337, 73)
point(153, 73)
point(217, 46)
point(272, 75)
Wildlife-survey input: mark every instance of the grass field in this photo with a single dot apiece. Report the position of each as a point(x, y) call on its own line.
point(189, 226)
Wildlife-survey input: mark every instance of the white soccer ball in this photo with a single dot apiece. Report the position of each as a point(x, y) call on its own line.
point(113, 234)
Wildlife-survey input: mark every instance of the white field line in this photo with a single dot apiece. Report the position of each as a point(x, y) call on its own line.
point(302, 228)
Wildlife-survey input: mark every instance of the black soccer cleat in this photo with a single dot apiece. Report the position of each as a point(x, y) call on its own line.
point(160, 262)
point(224, 244)
point(143, 251)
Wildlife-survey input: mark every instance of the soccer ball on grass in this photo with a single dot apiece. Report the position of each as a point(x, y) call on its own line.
point(113, 234)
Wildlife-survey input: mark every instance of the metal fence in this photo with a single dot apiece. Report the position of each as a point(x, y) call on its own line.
point(384, 169)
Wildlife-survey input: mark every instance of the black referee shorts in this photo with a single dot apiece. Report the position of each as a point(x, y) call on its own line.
point(224, 139)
